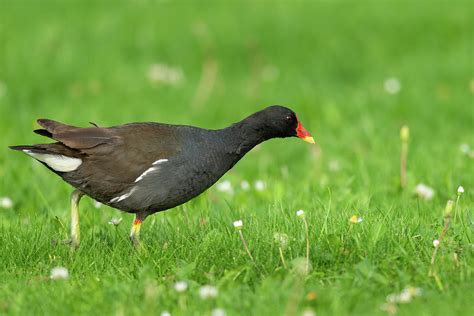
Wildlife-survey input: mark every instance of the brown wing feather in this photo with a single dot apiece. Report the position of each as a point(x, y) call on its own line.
point(76, 137)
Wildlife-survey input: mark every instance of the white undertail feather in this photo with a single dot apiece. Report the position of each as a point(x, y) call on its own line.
point(58, 163)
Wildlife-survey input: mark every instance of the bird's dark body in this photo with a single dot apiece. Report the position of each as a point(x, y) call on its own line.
point(150, 167)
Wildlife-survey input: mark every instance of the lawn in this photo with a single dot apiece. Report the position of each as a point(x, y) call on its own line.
point(355, 73)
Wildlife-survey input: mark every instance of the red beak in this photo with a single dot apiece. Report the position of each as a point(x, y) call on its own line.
point(302, 133)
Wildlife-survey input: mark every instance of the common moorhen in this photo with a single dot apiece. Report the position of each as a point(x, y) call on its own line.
point(144, 168)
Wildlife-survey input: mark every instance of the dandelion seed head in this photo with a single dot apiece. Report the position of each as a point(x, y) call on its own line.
point(165, 313)
point(299, 266)
point(460, 190)
point(436, 243)
point(59, 273)
point(281, 239)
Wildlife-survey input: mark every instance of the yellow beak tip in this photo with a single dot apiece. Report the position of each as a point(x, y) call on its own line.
point(309, 139)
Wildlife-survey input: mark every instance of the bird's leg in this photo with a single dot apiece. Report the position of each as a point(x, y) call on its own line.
point(135, 231)
point(75, 231)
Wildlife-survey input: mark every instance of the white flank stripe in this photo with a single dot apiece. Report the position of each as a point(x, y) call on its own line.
point(59, 163)
point(122, 197)
point(160, 161)
point(145, 173)
point(150, 169)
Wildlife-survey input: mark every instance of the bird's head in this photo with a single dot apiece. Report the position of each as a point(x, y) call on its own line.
point(279, 121)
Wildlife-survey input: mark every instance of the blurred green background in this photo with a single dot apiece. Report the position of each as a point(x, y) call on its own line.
point(354, 72)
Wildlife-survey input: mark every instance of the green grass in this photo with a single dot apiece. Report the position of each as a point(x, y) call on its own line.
point(88, 61)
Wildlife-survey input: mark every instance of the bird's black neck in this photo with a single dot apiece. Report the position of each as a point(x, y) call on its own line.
point(245, 135)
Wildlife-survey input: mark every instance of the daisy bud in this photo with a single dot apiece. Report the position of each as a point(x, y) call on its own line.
point(300, 214)
point(460, 190)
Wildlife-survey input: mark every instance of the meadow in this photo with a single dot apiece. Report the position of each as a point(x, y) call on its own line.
point(355, 73)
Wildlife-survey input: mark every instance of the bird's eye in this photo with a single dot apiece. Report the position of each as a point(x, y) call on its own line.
point(288, 118)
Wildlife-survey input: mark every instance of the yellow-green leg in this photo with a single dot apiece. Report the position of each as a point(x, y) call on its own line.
point(135, 231)
point(75, 230)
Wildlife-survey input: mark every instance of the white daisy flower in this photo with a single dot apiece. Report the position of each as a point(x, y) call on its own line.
point(115, 221)
point(225, 186)
point(59, 273)
point(405, 296)
point(97, 204)
point(425, 192)
point(436, 243)
point(260, 185)
point(245, 185)
point(165, 74)
point(218, 312)
point(392, 86)
point(208, 292)
point(180, 286)
point(165, 313)
point(6, 202)
point(300, 213)
point(355, 219)
point(238, 224)
point(460, 190)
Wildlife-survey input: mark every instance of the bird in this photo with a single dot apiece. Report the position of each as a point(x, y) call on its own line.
point(149, 167)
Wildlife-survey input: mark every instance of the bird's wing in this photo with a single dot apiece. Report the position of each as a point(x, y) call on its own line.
point(116, 159)
point(76, 137)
